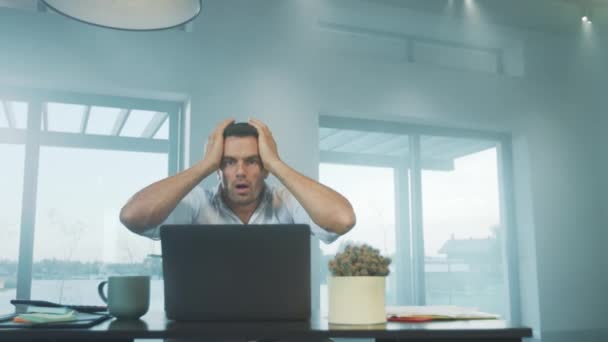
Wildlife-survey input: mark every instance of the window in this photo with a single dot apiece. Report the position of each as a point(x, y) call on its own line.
point(373, 202)
point(462, 226)
point(13, 119)
point(429, 198)
point(80, 193)
point(82, 159)
point(349, 156)
point(13, 114)
point(11, 184)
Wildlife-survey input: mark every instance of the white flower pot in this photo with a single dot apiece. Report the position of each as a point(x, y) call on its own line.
point(356, 300)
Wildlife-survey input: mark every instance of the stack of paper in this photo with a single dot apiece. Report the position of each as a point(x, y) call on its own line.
point(434, 313)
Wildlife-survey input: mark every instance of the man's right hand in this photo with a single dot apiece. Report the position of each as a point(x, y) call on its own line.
point(151, 206)
point(214, 149)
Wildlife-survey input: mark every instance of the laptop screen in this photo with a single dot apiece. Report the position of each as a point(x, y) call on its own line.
point(236, 272)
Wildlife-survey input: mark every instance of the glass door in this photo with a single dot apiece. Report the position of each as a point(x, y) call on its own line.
point(462, 230)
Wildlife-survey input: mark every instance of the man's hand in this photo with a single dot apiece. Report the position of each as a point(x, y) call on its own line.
point(327, 208)
point(214, 149)
point(152, 205)
point(266, 145)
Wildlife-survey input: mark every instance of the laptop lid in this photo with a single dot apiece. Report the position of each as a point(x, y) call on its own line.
point(236, 272)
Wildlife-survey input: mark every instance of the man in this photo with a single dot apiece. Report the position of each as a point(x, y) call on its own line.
point(242, 154)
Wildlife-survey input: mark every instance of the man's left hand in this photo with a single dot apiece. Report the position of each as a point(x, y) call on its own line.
point(266, 145)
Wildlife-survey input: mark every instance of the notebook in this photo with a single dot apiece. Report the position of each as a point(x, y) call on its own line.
point(81, 320)
point(236, 272)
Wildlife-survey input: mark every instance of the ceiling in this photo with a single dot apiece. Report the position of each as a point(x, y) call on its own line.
point(30, 5)
point(553, 16)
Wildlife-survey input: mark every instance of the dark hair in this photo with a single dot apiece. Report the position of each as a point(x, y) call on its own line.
point(240, 129)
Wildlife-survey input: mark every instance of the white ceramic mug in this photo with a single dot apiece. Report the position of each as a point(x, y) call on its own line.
point(128, 296)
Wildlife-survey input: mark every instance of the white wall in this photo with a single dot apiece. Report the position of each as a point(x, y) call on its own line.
point(44, 50)
point(269, 59)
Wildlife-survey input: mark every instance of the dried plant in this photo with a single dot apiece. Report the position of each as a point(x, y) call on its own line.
point(359, 260)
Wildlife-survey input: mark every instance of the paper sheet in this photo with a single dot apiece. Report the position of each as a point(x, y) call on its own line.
point(441, 311)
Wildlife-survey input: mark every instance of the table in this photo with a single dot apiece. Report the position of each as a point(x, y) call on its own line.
point(155, 325)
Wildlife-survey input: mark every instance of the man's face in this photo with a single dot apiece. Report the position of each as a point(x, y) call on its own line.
point(241, 171)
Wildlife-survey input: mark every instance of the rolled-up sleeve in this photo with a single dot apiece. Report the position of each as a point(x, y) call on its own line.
point(299, 215)
point(184, 213)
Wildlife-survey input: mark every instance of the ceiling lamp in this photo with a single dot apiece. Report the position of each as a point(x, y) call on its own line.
point(136, 15)
point(586, 19)
point(585, 7)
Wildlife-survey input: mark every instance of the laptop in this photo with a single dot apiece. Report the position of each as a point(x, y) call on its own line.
point(236, 272)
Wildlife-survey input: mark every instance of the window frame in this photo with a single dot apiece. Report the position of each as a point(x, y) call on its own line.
point(33, 137)
point(409, 224)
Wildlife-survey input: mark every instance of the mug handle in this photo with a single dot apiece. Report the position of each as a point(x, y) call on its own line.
point(100, 291)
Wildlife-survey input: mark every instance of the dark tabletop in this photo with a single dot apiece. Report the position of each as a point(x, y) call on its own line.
point(155, 325)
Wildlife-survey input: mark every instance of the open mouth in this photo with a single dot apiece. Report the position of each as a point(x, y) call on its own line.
point(242, 188)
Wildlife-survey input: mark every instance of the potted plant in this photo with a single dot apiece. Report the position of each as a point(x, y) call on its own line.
point(356, 287)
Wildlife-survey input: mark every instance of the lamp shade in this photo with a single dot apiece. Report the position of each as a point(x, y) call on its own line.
point(138, 15)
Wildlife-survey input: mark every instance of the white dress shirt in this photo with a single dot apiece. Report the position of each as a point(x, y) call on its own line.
point(278, 205)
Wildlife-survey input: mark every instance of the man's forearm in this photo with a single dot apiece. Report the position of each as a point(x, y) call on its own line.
point(326, 207)
point(152, 205)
